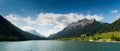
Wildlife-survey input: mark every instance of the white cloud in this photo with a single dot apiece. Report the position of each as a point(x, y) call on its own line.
point(51, 31)
point(97, 17)
point(16, 20)
point(114, 11)
point(56, 21)
point(27, 28)
point(61, 20)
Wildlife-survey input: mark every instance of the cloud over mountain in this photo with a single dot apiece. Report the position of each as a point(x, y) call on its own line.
point(61, 20)
point(56, 21)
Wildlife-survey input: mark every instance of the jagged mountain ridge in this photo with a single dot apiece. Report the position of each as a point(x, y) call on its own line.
point(75, 29)
point(80, 23)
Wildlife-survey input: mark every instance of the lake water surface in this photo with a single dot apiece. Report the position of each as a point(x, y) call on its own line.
point(54, 45)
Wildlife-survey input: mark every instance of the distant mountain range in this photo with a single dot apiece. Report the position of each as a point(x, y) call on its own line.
point(35, 33)
point(9, 32)
point(75, 29)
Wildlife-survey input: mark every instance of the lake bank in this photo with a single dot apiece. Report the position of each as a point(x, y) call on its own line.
point(100, 37)
point(55, 45)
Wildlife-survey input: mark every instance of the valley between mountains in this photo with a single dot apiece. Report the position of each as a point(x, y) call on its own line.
point(82, 30)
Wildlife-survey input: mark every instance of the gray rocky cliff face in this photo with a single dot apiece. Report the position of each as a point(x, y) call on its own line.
point(80, 23)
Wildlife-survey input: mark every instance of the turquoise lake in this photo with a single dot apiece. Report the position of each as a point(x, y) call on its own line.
point(54, 45)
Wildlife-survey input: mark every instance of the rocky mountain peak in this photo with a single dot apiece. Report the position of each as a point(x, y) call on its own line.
point(86, 20)
point(81, 23)
point(84, 26)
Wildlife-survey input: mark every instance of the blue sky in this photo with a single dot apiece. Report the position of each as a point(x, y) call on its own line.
point(50, 16)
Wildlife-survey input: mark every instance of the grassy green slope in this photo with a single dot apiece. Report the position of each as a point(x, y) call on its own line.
point(102, 37)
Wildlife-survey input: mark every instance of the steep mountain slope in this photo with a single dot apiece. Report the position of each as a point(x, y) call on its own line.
point(75, 29)
point(115, 26)
point(10, 32)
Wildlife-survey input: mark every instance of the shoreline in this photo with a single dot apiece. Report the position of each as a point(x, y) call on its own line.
point(101, 40)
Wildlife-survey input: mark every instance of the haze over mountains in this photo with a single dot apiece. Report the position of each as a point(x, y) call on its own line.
point(35, 33)
point(9, 32)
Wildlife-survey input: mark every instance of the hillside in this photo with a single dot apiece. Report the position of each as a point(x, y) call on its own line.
point(9, 32)
point(75, 29)
point(101, 37)
point(115, 26)
point(108, 33)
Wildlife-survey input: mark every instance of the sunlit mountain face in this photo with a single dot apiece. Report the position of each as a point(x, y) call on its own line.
point(75, 29)
point(51, 16)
